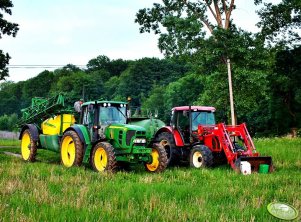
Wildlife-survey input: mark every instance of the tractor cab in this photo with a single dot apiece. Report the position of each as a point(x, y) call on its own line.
point(103, 113)
point(97, 116)
point(187, 120)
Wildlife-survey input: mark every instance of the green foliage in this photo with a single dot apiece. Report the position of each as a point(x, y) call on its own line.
point(139, 78)
point(6, 28)
point(38, 86)
point(285, 88)
point(79, 84)
point(180, 24)
point(281, 23)
point(8, 122)
point(104, 64)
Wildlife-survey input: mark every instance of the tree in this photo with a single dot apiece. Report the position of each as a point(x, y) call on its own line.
point(6, 28)
point(281, 23)
point(184, 22)
point(140, 77)
point(286, 92)
point(111, 67)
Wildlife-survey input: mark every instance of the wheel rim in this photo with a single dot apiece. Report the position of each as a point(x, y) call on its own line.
point(68, 151)
point(100, 159)
point(166, 146)
point(25, 146)
point(197, 159)
point(153, 166)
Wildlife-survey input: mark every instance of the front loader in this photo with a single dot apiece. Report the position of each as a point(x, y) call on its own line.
point(194, 136)
point(98, 135)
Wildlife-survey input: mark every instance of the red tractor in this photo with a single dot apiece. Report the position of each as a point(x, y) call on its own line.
point(194, 136)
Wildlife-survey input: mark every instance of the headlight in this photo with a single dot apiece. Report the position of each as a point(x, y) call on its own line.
point(139, 140)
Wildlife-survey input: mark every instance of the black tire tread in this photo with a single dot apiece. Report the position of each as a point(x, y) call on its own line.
point(206, 155)
point(163, 160)
point(174, 157)
point(79, 150)
point(112, 163)
point(33, 147)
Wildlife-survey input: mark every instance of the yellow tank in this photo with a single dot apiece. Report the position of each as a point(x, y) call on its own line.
point(57, 124)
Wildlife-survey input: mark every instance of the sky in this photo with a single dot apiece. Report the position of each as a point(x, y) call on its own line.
point(61, 32)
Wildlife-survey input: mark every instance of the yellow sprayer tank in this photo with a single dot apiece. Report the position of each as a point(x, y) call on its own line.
point(58, 124)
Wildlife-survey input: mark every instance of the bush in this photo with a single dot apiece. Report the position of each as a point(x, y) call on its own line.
point(8, 122)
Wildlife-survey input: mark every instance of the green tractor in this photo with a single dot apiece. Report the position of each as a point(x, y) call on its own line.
point(102, 137)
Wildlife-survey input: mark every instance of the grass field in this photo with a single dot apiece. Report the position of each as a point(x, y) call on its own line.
point(46, 191)
point(7, 142)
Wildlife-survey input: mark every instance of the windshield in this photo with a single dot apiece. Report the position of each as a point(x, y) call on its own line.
point(111, 114)
point(202, 118)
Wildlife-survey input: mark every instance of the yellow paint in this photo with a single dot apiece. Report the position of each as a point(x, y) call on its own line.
point(52, 126)
point(25, 146)
point(100, 159)
point(68, 151)
point(153, 166)
point(119, 127)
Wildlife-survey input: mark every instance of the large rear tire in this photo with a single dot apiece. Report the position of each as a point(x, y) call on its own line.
point(72, 151)
point(103, 158)
point(166, 140)
point(159, 159)
point(28, 147)
point(200, 157)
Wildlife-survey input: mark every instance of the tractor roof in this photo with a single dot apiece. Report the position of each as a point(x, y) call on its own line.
point(103, 101)
point(194, 108)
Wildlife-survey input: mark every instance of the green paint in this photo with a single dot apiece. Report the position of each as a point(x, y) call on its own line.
point(50, 142)
point(150, 125)
point(87, 140)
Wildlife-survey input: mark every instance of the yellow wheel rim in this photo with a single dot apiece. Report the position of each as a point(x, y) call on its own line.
point(100, 159)
point(153, 166)
point(68, 151)
point(25, 146)
point(197, 159)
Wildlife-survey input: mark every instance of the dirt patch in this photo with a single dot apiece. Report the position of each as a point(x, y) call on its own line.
point(13, 154)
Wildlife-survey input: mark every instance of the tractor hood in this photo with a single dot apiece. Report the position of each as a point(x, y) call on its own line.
point(124, 127)
point(125, 136)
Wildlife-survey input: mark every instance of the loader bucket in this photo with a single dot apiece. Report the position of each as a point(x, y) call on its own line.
point(255, 162)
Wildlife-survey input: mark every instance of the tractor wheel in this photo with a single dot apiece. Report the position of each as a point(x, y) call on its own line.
point(200, 157)
point(103, 158)
point(72, 151)
point(28, 147)
point(166, 140)
point(159, 159)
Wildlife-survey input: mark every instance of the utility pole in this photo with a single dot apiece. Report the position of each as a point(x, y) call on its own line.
point(231, 93)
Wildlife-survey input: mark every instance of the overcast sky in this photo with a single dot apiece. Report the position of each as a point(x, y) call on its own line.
point(59, 32)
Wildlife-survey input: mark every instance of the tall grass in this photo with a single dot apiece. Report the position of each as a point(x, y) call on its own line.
point(46, 191)
point(9, 142)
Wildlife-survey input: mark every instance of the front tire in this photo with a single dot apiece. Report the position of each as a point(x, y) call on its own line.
point(166, 140)
point(159, 159)
point(72, 151)
point(103, 158)
point(28, 147)
point(200, 157)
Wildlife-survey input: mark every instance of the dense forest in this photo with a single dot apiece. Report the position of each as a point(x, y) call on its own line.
point(266, 71)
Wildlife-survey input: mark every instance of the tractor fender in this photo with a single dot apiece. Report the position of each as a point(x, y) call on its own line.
point(84, 136)
point(33, 131)
point(176, 135)
point(82, 132)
